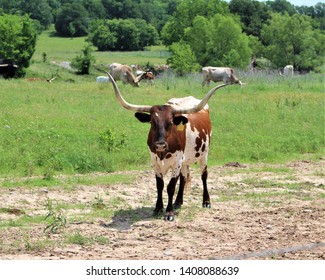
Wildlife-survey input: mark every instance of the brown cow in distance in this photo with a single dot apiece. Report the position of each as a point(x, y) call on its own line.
point(179, 136)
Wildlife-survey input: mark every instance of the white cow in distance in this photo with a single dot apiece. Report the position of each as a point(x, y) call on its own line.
point(219, 74)
point(287, 71)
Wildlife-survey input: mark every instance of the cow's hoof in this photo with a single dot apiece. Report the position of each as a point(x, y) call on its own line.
point(206, 205)
point(169, 217)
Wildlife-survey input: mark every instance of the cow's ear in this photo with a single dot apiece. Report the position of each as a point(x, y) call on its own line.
point(180, 119)
point(142, 117)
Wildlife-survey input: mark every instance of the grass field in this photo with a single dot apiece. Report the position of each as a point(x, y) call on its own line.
point(74, 125)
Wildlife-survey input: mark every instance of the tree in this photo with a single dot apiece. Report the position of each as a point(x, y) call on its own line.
point(292, 40)
point(281, 6)
point(83, 62)
point(39, 10)
point(184, 15)
point(253, 14)
point(72, 20)
point(122, 34)
point(18, 40)
point(218, 41)
point(182, 60)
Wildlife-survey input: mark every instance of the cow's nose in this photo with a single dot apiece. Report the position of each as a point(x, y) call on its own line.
point(161, 146)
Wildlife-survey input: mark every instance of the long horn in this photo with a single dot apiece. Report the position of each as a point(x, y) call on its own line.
point(201, 105)
point(124, 103)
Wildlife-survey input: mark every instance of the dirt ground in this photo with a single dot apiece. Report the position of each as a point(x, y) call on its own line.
point(258, 212)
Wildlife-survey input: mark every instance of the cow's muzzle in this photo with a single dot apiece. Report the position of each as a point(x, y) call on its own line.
point(161, 146)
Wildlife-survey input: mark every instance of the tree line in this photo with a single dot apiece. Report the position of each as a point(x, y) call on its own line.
point(198, 33)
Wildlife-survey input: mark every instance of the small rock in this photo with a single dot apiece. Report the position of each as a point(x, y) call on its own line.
point(168, 253)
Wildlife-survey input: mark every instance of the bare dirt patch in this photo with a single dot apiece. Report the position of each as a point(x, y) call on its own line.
point(258, 212)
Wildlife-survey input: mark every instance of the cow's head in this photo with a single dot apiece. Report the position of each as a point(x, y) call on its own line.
point(163, 118)
point(163, 121)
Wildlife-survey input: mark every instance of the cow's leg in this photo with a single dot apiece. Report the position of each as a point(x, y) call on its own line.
point(169, 216)
point(179, 198)
point(185, 179)
point(206, 197)
point(159, 203)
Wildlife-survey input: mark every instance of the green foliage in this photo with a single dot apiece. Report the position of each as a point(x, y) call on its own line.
point(253, 14)
point(182, 60)
point(185, 14)
point(218, 41)
point(122, 34)
point(292, 40)
point(109, 140)
point(83, 62)
point(57, 220)
point(18, 40)
point(72, 20)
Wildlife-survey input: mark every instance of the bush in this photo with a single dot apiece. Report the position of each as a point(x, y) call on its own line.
point(18, 40)
point(83, 62)
point(182, 60)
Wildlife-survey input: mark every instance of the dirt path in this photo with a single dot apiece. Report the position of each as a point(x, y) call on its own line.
point(258, 212)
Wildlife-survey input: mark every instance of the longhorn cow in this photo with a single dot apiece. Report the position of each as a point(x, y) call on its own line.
point(124, 73)
point(179, 136)
point(218, 74)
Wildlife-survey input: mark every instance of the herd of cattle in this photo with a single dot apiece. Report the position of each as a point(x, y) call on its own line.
point(131, 75)
point(127, 75)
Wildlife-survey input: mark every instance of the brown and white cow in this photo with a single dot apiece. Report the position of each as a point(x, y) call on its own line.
point(218, 74)
point(121, 72)
point(179, 136)
point(145, 76)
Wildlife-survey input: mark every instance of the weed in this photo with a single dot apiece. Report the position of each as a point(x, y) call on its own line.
point(98, 203)
point(110, 141)
point(57, 219)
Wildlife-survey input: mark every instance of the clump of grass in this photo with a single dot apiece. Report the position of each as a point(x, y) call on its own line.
point(98, 204)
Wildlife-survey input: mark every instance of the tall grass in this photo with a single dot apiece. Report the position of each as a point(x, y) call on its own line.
point(46, 129)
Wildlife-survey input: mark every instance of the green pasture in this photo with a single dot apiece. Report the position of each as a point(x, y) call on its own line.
point(75, 125)
point(60, 49)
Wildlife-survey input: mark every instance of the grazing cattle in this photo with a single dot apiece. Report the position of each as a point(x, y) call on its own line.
point(7, 68)
point(123, 73)
point(287, 71)
point(179, 135)
point(218, 74)
point(145, 76)
point(102, 79)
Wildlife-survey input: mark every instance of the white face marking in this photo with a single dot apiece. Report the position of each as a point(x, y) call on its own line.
point(156, 114)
